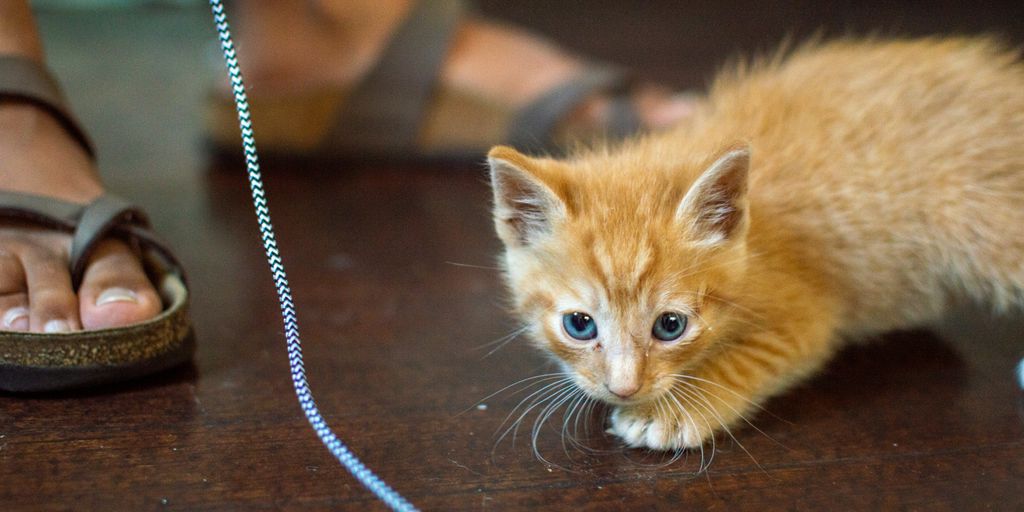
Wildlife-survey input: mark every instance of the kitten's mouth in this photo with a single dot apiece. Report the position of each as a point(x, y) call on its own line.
point(638, 398)
point(614, 400)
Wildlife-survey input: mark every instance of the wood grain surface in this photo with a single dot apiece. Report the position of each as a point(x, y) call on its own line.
point(397, 298)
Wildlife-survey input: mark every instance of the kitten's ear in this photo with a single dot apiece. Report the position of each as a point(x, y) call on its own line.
point(524, 206)
point(715, 208)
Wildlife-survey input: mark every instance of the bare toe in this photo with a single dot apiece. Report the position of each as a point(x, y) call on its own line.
point(53, 306)
point(14, 312)
point(115, 290)
point(13, 298)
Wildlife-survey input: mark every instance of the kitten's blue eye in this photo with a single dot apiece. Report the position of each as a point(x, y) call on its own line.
point(579, 326)
point(669, 326)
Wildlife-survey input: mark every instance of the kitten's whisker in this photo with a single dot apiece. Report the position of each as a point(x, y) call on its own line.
point(537, 395)
point(684, 376)
point(574, 408)
point(704, 461)
point(702, 401)
point(548, 388)
point(543, 417)
point(590, 411)
point(544, 377)
point(552, 405)
point(469, 265)
point(698, 402)
point(514, 427)
point(581, 411)
point(584, 415)
point(502, 341)
point(527, 379)
point(702, 320)
point(566, 418)
point(665, 410)
point(735, 305)
point(706, 404)
point(711, 431)
point(539, 398)
point(699, 388)
point(751, 323)
point(587, 418)
point(744, 309)
point(508, 339)
point(503, 337)
point(703, 466)
point(746, 420)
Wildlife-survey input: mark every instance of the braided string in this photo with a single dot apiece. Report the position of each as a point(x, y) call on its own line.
point(291, 327)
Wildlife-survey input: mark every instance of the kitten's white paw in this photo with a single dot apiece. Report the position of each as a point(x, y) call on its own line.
point(645, 429)
point(631, 428)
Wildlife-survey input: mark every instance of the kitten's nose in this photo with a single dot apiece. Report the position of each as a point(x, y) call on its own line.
point(623, 390)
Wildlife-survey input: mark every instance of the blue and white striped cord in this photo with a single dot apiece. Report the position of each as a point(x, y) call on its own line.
point(284, 294)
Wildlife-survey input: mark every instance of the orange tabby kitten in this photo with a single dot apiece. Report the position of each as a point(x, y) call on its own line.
point(849, 189)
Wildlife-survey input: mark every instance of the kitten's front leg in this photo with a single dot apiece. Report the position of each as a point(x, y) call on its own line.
point(722, 393)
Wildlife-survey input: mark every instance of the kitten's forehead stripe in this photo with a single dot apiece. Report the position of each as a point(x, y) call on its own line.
point(605, 268)
point(622, 267)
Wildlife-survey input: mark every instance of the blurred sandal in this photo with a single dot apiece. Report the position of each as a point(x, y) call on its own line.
point(398, 111)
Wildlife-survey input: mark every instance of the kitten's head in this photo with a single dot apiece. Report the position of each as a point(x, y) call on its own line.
point(622, 269)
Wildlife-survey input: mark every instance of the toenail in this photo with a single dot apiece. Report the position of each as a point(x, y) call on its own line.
point(13, 315)
point(116, 295)
point(56, 326)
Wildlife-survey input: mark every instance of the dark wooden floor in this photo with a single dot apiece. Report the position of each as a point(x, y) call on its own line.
point(394, 314)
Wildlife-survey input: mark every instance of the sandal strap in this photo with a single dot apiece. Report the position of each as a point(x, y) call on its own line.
point(385, 111)
point(97, 220)
point(43, 211)
point(107, 216)
point(28, 80)
point(534, 127)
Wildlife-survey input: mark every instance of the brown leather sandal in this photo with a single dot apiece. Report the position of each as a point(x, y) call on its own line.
point(31, 362)
point(397, 112)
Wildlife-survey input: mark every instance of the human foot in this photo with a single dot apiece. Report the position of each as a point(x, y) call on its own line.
point(38, 156)
point(296, 52)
